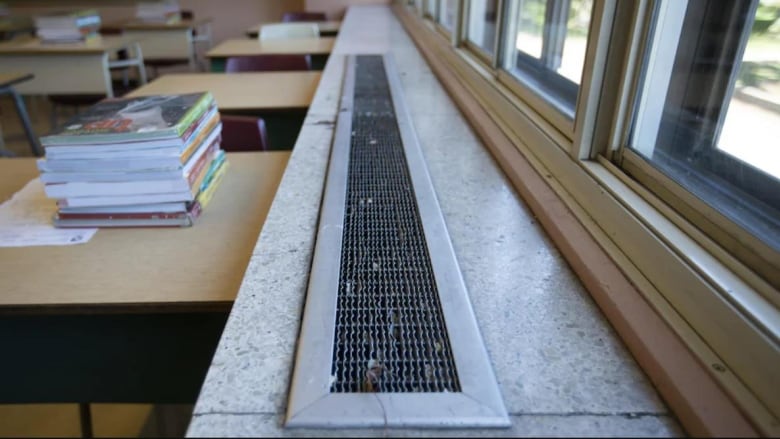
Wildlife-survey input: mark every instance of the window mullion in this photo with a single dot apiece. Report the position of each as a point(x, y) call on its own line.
point(554, 35)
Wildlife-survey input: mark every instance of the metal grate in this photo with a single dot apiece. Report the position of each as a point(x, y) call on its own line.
point(374, 349)
point(390, 331)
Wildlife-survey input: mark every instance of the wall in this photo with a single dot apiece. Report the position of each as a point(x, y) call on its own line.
point(230, 17)
point(335, 9)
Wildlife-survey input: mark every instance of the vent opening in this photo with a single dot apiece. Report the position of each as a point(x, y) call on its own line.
point(388, 335)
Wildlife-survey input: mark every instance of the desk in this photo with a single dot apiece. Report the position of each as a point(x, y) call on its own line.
point(166, 41)
point(133, 315)
point(281, 98)
point(326, 28)
point(69, 68)
point(318, 48)
point(7, 81)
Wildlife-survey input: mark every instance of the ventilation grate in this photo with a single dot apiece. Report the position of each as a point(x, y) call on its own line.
point(390, 333)
point(376, 348)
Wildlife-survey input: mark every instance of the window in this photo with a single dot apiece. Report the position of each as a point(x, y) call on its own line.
point(447, 14)
point(709, 102)
point(684, 97)
point(481, 30)
point(429, 8)
point(545, 47)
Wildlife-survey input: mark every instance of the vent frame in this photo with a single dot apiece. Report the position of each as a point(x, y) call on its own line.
point(311, 403)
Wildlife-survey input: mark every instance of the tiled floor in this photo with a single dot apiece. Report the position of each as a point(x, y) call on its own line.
point(62, 420)
point(108, 420)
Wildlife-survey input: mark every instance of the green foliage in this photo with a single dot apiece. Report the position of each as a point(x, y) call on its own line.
point(756, 74)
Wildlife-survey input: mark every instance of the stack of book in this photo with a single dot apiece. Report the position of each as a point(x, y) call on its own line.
point(158, 12)
point(68, 26)
point(135, 162)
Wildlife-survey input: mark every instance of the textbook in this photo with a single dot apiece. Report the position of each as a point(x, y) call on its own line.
point(206, 122)
point(100, 174)
point(67, 26)
point(132, 119)
point(130, 164)
point(151, 219)
point(188, 186)
point(150, 215)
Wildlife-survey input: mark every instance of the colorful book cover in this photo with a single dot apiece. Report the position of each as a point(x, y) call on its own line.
point(207, 192)
point(132, 119)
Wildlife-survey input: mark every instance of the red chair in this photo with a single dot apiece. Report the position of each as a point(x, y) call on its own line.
point(243, 133)
point(303, 16)
point(267, 63)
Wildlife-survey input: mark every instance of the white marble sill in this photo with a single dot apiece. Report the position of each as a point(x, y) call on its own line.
point(561, 368)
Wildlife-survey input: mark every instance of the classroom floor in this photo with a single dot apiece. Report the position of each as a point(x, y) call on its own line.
point(62, 420)
point(108, 420)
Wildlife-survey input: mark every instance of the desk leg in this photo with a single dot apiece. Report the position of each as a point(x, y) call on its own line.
point(25, 118)
point(85, 414)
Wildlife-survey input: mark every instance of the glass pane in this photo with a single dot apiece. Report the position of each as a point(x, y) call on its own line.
point(482, 24)
point(447, 10)
point(755, 104)
point(429, 8)
point(546, 50)
point(710, 100)
point(530, 27)
point(576, 41)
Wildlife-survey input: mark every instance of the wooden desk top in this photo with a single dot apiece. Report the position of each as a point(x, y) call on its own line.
point(296, 46)
point(31, 46)
point(7, 79)
point(324, 26)
point(241, 91)
point(130, 269)
point(140, 25)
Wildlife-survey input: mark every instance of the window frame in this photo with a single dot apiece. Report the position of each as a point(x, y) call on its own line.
point(700, 289)
point(548, 105)
point(748, 248)
point(484, 56)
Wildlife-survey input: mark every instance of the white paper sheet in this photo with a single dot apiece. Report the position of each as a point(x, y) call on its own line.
point(26, 220)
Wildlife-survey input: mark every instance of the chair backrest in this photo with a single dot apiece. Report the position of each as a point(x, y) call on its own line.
point(243, 133)
point(277, 31)
point(267, 63)
point(303, 16)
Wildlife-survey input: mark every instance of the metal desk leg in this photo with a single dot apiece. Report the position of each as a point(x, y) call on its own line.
point(85, 414)
point(22, 111)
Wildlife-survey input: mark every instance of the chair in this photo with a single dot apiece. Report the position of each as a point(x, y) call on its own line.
point(267, 63)
point(303, 16)
point(243, 133)
point(278, 31)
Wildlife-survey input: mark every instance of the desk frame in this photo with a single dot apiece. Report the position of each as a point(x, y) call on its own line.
point(21, 111)
point(76, 72)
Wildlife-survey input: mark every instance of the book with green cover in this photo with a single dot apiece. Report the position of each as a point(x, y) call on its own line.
point(132, 119)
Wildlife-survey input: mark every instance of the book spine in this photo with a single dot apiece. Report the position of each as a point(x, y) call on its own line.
point(201, 163)
point(205, 135)
point(193, 113)
point(120, 215)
